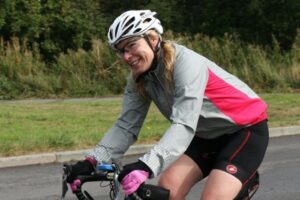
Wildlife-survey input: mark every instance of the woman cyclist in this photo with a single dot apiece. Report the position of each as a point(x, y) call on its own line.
point(218, 125)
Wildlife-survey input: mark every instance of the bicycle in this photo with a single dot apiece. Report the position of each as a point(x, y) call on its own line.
point(109, 173)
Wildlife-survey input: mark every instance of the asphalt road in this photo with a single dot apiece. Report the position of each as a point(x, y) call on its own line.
point(280, 177)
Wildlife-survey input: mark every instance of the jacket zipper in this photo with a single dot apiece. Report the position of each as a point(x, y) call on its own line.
point(164, 89)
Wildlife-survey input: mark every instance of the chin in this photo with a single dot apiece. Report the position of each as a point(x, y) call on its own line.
point(137, 70)
point(136, 74)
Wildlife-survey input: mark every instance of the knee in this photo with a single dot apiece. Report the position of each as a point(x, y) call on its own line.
point(170, 182)
point(166, 181)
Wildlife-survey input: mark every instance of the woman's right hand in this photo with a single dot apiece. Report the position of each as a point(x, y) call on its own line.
point(84, 167)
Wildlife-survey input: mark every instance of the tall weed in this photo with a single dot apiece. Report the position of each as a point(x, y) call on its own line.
point(293, 64)
point(261, 68)
point(98, 72)
point(95, 72)
point(22, 71)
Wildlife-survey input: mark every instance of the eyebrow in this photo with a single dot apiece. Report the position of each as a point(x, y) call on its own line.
point(125, 44)
point(133, 39)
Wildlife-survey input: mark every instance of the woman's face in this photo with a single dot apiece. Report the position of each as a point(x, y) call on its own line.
point(136, 53)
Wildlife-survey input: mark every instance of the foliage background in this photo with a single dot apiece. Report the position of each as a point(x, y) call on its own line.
point(57, 48)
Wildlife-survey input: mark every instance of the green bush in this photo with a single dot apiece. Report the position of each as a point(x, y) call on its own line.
point(98, 72)
point(91, 73)
point(22, 71)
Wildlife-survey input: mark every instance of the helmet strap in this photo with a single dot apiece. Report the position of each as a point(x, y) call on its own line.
point(155, 58)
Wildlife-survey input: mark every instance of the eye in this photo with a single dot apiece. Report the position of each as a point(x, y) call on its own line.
point(132, 44)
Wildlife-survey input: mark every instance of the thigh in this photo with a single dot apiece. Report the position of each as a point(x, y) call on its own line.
point(221, 185)
point(203, 152)
point(237, 162)
point(180, 177)
point(243, 152)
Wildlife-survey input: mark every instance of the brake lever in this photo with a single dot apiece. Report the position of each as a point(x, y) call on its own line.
point(150, 192)
point(133, 196)
point(64, 182)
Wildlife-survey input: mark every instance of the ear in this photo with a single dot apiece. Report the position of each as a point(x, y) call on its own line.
point(154, 41)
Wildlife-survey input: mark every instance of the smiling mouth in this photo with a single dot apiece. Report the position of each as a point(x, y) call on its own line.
point(134, 63)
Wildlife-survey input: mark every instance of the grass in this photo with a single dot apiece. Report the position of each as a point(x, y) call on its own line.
point(29, 127)
point(284, 109)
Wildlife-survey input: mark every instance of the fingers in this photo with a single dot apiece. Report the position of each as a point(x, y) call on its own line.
point(133, 180)
point(75, 184)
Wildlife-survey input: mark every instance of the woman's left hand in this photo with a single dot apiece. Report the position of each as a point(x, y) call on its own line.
point(133, 175)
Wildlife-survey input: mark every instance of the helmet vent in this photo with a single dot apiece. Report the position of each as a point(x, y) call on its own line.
point(130, 22)
point(137, 30)
point(137, 24)
point(110, 34)
point(125, 20)
point(127, 30)
point(117, 29)
point(147, 20)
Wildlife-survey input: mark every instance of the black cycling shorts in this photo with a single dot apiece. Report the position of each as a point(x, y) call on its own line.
point(239, 154)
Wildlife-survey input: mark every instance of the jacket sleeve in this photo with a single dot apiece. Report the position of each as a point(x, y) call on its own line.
point(125, 131)
point(190, 78)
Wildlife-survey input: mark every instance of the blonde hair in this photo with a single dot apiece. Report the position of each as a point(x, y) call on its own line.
point(168, 60)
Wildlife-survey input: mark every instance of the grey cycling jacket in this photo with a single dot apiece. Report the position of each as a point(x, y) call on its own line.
point(203, 100)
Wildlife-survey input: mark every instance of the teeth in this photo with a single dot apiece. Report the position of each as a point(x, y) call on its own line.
point(134, 63)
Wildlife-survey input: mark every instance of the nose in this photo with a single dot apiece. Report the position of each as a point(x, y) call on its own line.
point(126, 56)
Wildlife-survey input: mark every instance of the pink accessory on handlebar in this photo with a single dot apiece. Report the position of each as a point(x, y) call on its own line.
point(133, 180)
point(92, 160)
point(75, 185)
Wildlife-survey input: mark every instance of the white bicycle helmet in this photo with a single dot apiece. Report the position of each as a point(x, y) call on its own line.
point(132, 23)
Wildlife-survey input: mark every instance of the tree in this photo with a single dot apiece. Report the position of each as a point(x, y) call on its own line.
point(20, 18)
point(68, 25)
point(255, 21)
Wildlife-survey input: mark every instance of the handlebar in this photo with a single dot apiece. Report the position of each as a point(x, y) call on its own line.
point(103, 173)
point(109, 173)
